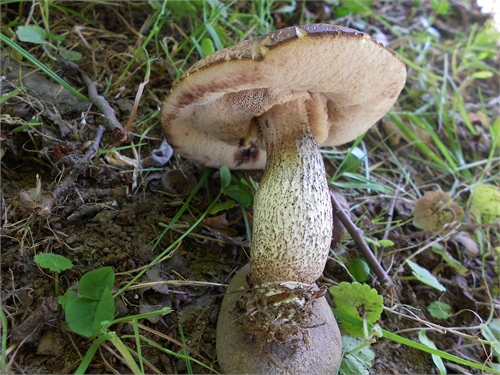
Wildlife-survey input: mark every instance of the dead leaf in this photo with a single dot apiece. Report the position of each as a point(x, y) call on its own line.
point(220, 225)
point(395, 134)
point(478, 117)
point(179, 182)
point(467, 244)
point(435, 209)
point(41, 208)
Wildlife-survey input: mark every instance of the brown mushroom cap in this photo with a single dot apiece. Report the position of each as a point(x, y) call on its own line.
point(350, 82)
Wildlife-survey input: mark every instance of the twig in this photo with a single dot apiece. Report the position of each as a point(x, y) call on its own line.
point(94, 146)
point(357, 236)
point(80, 165)
point(109, 114)
point(390, 211)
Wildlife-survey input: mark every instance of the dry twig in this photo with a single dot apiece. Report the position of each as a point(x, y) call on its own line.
point(109, 114)
point(357, 236)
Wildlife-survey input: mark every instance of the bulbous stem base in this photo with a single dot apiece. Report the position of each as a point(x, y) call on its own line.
point(237, 353)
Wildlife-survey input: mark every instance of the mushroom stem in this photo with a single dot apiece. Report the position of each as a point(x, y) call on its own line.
point(292, 208)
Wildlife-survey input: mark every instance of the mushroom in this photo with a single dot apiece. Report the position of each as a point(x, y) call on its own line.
point(272, 101)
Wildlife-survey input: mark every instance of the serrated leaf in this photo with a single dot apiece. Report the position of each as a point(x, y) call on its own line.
point(240, 195)
point(425, 276)
point(225, 177)
point(439, 310)
point(31, 34)
point(93, 284)
point(352, 298)
point(430, 344)
point(54, 262)
point(435, 209)
point(358, 362)
point(485, 203)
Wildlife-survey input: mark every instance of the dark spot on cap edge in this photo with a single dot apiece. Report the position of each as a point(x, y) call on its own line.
point(246, 155)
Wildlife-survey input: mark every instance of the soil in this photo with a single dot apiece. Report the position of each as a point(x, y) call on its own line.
point(96, 212)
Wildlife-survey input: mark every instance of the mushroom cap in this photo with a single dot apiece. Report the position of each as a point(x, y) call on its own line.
point(348, 80)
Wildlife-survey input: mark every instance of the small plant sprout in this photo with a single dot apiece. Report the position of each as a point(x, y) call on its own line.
point(92, 311)
point(94, 303)
point(357, 300)
point(361, 301)
point(357, 356)
point(54, 262)
point(37, 35)
point(439, 310)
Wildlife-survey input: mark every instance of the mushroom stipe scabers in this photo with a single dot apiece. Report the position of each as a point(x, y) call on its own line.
point(272, 102)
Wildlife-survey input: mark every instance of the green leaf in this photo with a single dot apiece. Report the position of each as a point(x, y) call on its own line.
point(491, 332)
point(207, 47)
point(482, 75)
point(442, 7)
point(439, 310)
point(63, 300)
point(356, 362)
point(84, 316)
point(240, 195)
point(385, 243)
point(54, 262)
point(31, 34)
point(425, 276)
point(485, 203)
point(455, 264)
point(94, 284)
point(71, 55)
point(222, 206)
point(352, 298)
point(225, 177)
point(436, 359)
point(359, 269)
point(182, 8)
point(351, 163)
point(105, 309)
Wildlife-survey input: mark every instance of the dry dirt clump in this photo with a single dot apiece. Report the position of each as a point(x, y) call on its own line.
point(77, 184)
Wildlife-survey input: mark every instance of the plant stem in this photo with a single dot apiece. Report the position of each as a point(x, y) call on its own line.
point(357, 236)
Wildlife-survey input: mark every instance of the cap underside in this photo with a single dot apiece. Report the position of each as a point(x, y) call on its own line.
point(348, 81)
